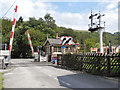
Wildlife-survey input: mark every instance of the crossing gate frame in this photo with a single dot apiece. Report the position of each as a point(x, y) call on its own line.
point(66, 40)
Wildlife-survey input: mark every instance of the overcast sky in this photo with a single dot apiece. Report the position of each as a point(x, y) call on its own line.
point(67, 13)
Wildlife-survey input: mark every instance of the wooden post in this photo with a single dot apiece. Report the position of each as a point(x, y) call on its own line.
point(99, 65)
point(62, 60)
point(58, 60)
point(81, 62)
point(108, 65)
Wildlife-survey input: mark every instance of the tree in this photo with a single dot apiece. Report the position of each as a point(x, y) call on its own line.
point(20, 20)
point(6, 26)
point(39, 29)
point(50, 21)
point(89, 44)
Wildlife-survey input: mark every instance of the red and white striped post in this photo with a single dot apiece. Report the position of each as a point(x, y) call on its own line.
point(30, 42)
point(13, 28)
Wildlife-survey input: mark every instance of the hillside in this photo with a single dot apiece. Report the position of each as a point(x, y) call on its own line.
point(41, 28)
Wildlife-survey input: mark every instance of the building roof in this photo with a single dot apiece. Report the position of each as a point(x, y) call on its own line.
point(54, 41)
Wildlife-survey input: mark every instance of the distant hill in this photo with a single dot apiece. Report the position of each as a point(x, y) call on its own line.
point(41, 28)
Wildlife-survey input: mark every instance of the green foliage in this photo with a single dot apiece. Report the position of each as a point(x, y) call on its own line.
point(1, 81)
point(6, 26)
point(89, 43)
point(41, 28)
point(50, 21)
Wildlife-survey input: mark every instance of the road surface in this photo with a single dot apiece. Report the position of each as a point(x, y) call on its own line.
point(25, 73)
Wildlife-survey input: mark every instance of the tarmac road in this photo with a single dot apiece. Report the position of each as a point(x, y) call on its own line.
point(25, 73)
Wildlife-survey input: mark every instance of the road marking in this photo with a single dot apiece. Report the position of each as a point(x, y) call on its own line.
point(49, 75)
point(38, 67)
point(67, 84)
point(55, 78)
point(8, 73)
point(64, 82)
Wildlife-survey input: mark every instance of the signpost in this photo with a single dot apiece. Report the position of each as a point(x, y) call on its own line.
point(63, 49)
point(66, 40)
point(39, 53)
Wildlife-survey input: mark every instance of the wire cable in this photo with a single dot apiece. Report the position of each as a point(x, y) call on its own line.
point(9, 9)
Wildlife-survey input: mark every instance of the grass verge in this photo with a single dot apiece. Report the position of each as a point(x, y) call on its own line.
point(1, 81)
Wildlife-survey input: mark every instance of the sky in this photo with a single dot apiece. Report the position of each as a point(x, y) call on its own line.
point(67, 13)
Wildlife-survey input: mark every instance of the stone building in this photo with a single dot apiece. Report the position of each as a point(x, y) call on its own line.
point(53, 47)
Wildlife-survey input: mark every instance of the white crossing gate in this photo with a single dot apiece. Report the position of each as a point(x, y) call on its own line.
point(13, 29)
point(30, 42)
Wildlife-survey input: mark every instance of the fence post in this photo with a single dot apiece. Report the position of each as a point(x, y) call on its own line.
point(81, 59)
point(108, 65)
point(98, 64)
point(62, 60)
point(58, 57)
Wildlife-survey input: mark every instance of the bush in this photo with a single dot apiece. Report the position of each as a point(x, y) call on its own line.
point(1, 81)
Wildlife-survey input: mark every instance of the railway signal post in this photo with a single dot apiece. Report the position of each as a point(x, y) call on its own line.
point(97, 27)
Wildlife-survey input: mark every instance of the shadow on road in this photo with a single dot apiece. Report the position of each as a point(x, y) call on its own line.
point(31, 64)
point(83, 80)
point(77, 80)
point(28, 63)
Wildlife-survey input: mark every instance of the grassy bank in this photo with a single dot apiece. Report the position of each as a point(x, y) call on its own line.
point(1, 81)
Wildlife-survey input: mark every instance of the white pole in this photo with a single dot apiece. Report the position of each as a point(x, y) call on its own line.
point(12, 33)
point(101, 40)
point(30, 42)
